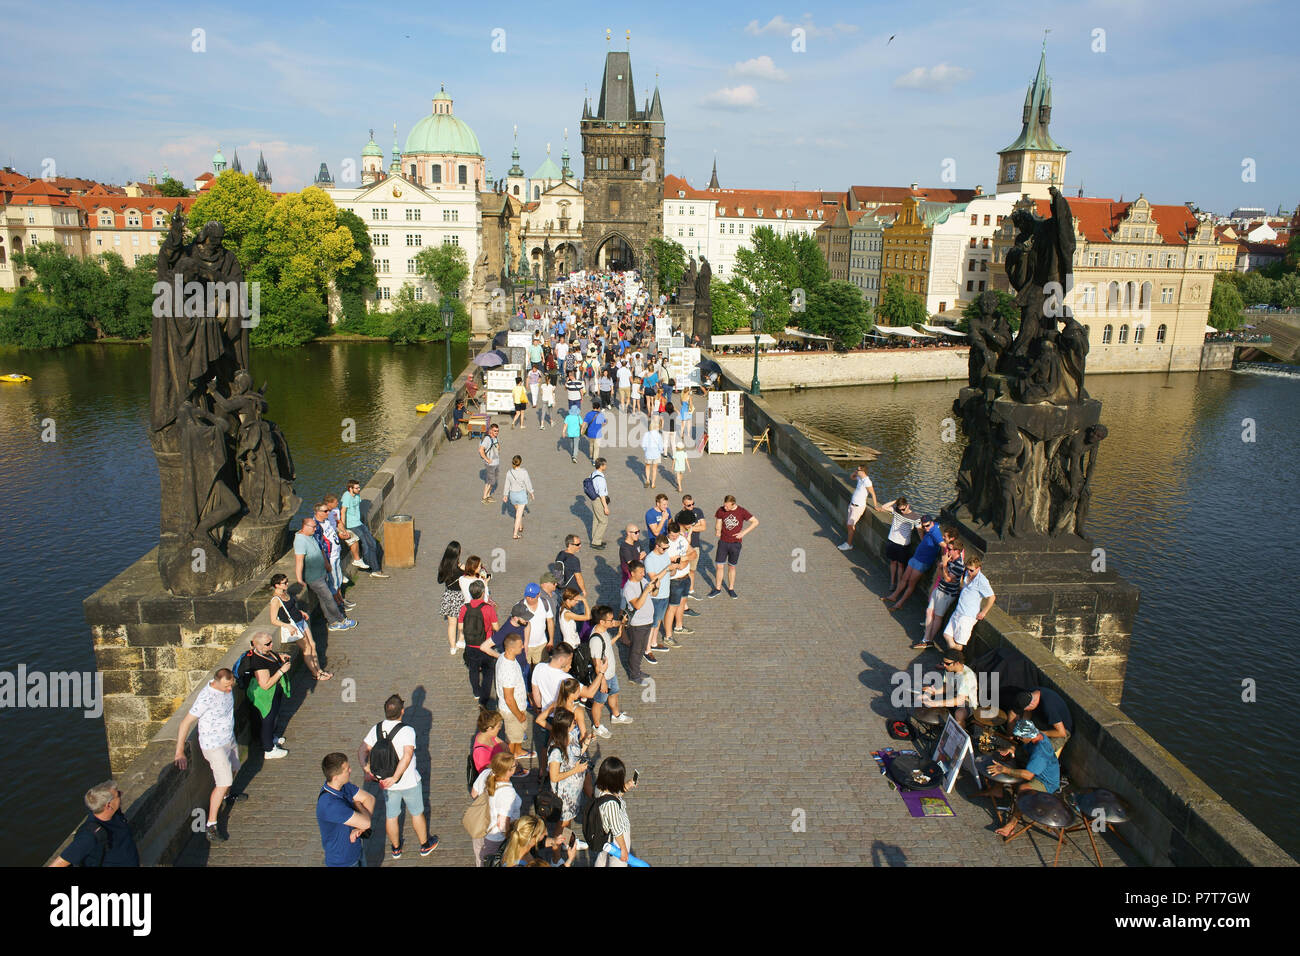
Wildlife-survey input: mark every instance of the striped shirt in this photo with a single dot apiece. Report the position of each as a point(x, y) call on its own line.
point(956, 572)
point(613, 817)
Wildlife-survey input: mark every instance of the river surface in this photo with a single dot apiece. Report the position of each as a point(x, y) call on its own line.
point(1196, 517)
point(1194, 502)
point(78, 510)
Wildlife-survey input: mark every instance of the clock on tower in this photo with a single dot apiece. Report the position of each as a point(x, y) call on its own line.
point(1043, 171)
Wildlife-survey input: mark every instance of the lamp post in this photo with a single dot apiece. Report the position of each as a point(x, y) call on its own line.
point(537, 279)
point(756, 326)
point(448, 316)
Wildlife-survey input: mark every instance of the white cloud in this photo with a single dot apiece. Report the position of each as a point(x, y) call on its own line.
point(733, 98)
point(761, 67)
point(939, 77)
point(780, 26)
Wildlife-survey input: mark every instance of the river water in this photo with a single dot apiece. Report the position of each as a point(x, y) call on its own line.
point(1196, 517)
point(77, 510)
point(1193, 503)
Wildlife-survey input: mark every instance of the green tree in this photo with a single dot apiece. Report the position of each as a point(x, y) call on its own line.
point(730, 312)
point(73, 287)
point(898, 307)
point(767, 274)
point(670, 264)
point(287, 319)
point(1225, 305)
point(1287, 291)
point(304, 245)
point(355, 282)
point(836, 308)
point(173, 188)
point(241, 205)
point(1007, 308)
point(811, 266)
point(31, 323)
point(445, 266)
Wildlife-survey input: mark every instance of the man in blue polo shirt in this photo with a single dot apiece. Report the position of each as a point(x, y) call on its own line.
point(343, 813)
point(1042, 770)
point(923, 559)
point(104, 839)
point(593, 423)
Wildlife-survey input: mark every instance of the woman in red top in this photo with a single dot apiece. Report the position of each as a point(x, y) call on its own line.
point(487, 742)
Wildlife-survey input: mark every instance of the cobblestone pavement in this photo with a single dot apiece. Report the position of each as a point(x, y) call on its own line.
point(755, 746)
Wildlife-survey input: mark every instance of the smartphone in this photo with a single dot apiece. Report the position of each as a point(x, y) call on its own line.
point(636, 776)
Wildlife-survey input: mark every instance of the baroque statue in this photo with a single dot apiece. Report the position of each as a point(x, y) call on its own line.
point(702, 313)
point(1032, 431)
point(225, 471)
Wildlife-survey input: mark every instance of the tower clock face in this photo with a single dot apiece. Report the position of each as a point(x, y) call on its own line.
point(1043, 171)
point(1012, 169)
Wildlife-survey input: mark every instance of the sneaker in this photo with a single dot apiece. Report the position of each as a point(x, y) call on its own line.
point(603, 733)
point(379, 574)
point(846, 546)
point(643, 682)
point(691, 612)
point(430, 846)
point(683, 630)
point(349, 605)
point(232, 797)
point(346, 624)
point(395, 852)
point(669, 643)
point(460, 645)
point(715, 592)
point(622, 718)
point(358, 563)
point(279, 741)
point(453, 652)
point(275, 753)
point(649, 659)
point(574, 460)
point(598, 547)
point(214, 833)
point(732, 593)
point(664, 646)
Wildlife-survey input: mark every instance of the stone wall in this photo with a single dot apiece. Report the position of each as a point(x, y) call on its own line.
point(1177, 819)
point(888, 366)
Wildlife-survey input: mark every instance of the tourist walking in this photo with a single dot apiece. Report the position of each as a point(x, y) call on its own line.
point(858, 503)
point(624, 375)
point(449, 575)
point(599, 505)
point(214, 711)
point(731, 524)
point(652, 449)
point(593, 424)
point(387, 754)
point(343, 812)
point(518, 491)
point(534, 386)
point(294, 624)
point(477, 621)
point(548, 400)
point(489, 449)
point(504, 804)
point(268, 687)
point(572, 430)
point(104, 837)
point(681, 464)
point(567, 566)
point(520, 397)
point(310, 570)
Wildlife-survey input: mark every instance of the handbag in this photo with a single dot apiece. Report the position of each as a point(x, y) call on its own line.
point(477, 818)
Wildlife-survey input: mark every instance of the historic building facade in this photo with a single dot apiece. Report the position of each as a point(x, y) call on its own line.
point(623, 171)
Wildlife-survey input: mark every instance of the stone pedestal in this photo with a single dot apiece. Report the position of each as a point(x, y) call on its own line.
point(153, 648)
point(1062, 590)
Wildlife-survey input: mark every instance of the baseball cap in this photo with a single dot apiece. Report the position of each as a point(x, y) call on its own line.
point(532, 591)
point(927, 519)
point(1024, 730)
point(548, 578)
point(521, 611)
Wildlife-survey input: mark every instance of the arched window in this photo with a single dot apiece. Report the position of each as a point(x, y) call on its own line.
point(1106, 334)
point(1138, 332)
point(516, 190)
point(1123, 334)
point(537, 193)
point(1112, 299)
point(1160, 334)
point(1147, 289)
point(462, 175)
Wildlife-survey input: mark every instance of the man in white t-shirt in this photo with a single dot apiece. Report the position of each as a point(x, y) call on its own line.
point(214, 710)
point(624, 387)
point(858, 503)
point(547, 678)
point(512, 698)
point(403, 786)
point(541, 626)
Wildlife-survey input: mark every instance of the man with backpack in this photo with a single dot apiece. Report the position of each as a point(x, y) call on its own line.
point(596, 489)
point(593, 423)
point(104, 839)
point(388, 755)
point(475, 624)
point(568, 569)
point(601, 650)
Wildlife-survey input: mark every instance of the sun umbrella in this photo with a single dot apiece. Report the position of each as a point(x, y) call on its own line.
point(501, 337)
point(490, 359)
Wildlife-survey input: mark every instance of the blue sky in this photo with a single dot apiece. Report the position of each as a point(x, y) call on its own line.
point(1182, 93)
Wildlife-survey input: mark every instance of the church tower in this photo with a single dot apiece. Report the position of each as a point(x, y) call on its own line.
point(1034, 161)
point(623, 172)
point(372, 162)
point(516, 182)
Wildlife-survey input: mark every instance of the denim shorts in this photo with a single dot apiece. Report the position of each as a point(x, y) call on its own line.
point(611, 679)
point(677, 589)
point(411, 796)
point(661, 608)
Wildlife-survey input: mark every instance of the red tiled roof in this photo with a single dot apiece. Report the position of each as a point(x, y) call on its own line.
point(158, 208)
point(896, 194)
point(1100, 218)
point(804, 204)
point(12, 179)
point(38, 192)
point(203, 177)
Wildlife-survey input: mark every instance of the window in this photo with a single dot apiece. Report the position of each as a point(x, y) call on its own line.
point(117, 240)
point(974, 219)
point(419, 293)
point(1106, 334)
point(985, 243)
point(1123, 334)
point(1138, 331)
point(99, 241)
point(1160, 334)
point(692, 210)
point(999, 220)
point(971, 268)
point(105, 218)
point(435, 172)
point(413, 172)
point(382, 293)
point(1166, 295)
point(981, 287)
point(972, 242)
point(462, 175)
point(986, 220)
point(1151, 260)
point(984, 265)
point(970, 285)
point(414, 239)
point(1200, 262)
point(377, 213)
point(380, 239)
point(1114, 260)
point(381, 265)
point(1094, 258)
point(1088, 294)
point(412, 215)
point(1132, 260)
point(741, 228)
point(135, 241)
point(680, 232)
point(451, 240)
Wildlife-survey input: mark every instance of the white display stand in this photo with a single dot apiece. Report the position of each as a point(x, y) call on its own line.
point(498, 402)
point(500, 379)
point(683, 366)
point(953, 749)
point(519, 340)
point(726, 422)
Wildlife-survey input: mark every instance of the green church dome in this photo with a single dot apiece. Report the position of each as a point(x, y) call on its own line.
point(441, 132)
point(372, 148)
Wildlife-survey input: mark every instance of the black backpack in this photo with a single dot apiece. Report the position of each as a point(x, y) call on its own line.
point(243, 670)
point(474, 625)
point(593, 831)
point(383, 756)
point(583, 668)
